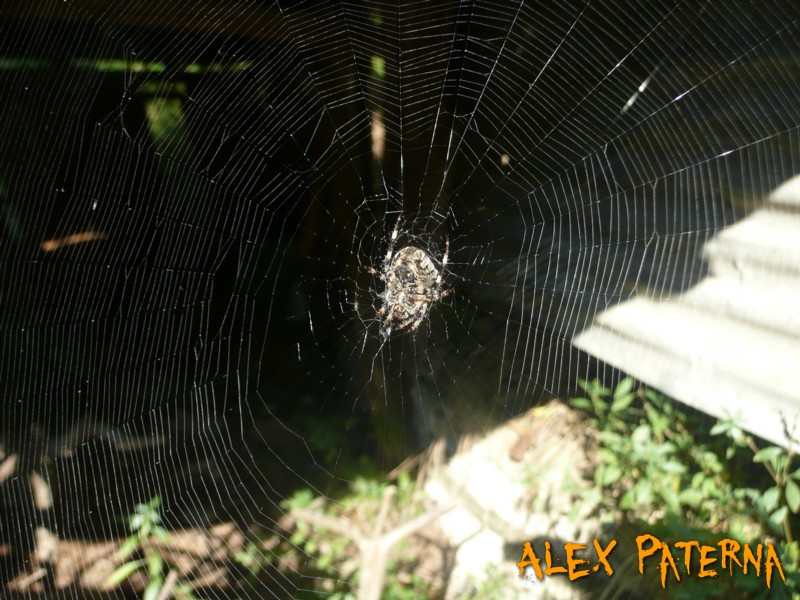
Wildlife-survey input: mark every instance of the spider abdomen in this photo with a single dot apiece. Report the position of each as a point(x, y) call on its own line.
point(413, 282)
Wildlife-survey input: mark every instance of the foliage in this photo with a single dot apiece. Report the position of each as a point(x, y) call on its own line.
point(775, 505)
point(649, 460)
point(658, 463)
point(253, 558)
point(334, 557)
point(146, 534)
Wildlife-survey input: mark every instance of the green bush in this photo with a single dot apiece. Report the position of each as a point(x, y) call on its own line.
point(660, 465)
point(144, 542)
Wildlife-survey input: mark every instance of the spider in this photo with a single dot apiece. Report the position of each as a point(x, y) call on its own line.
point(413, 283)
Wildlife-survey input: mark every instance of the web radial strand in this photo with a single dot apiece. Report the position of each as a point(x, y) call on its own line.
point(198, 199)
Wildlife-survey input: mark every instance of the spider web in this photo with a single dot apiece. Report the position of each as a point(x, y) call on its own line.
point(192, 193)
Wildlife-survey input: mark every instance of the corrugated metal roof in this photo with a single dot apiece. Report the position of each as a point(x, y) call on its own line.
point(731, 344)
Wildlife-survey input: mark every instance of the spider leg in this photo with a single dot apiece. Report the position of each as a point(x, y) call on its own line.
point(403, 326)
point(385, 322)
point(444, 261)
point(414, 325)
point(397, 227)
point(372, 271)
point(399, 316)
point(392, 240)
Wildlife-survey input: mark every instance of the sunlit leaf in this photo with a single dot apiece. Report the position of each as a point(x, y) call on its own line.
point(691, 497)
point(673, 466)
point(161, 534)
point(776, 518)
point(641, 435)
point(127, 548)
point(122, 573)
point(136, 521)
point(624, 386)
point(581, 403)
point(768, 454)
point(184, 591)
point(611, 474)
point(721, 427)
point(153, 589)
point(643, 492)
point(770, 499)
point(627, 501)
point(378, 64)
point(671, 499)
point(155, 564)
point(792, 495)
point(622, 402)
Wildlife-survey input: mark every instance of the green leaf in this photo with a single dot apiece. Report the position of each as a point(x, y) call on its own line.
point(643, 492)
point(603, 391)
point(779, 464)
point(300, 499)
point(623, 387)
point(185, 591)
point(776, 518)
point(609, 460)
point(161, 534)
point(611, 439)
point(155, 564)
point(738, 437)
point(768, 454)
point(599, 475)
point(622, 402)
point(144, 530)
point(665, 449)
point(792, 495)
point(654, 397)
point(153, 589)
point(641, 435)
point(691, 497)
point(659, 421)
point(136, 521)
point(791, 552)
point(627, 501)
point(580, 403)
point(611, 474)
point(770, 499)
point(673, 466)
point(721, 427)
point(594, 389)
point(378, 64)
point(122, 572)
point(128, 546)
point(671, 499)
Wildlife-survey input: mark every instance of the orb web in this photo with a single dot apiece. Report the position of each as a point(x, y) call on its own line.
point(190, 191)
